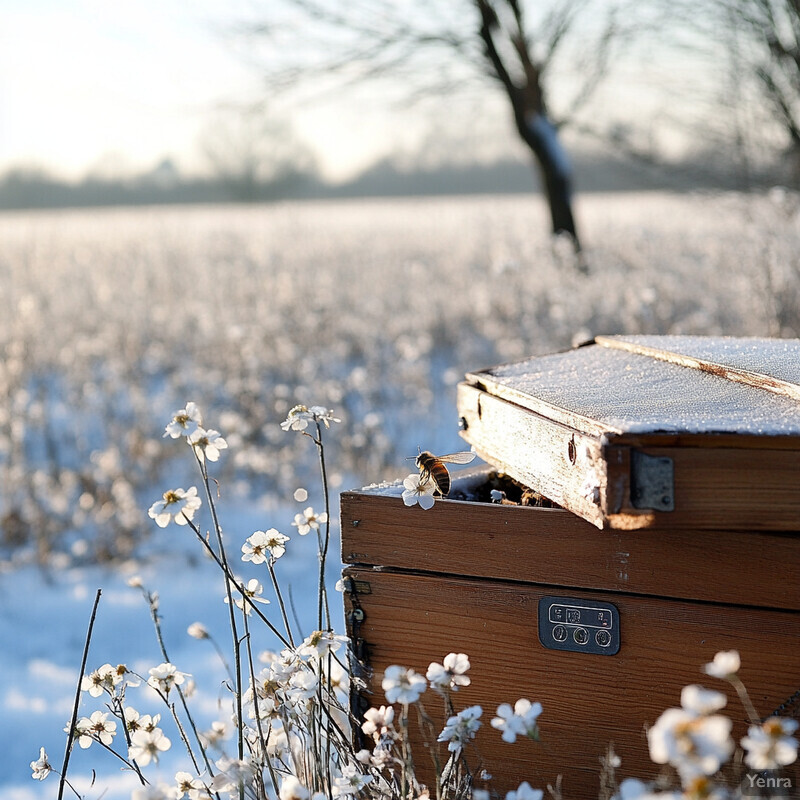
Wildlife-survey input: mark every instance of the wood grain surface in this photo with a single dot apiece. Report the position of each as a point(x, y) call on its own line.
point(589, 700)
point(554, 547)
point(717, 483)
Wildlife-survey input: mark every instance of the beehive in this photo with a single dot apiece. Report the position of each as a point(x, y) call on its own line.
point(675, 463)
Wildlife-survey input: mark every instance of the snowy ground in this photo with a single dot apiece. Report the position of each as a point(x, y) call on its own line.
point(43, 624)
point(374, 308)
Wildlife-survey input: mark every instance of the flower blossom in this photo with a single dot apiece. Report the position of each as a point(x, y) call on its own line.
point(402, 685)
point(184, 422)
point(308, 519)
point(460, 728)
point(207, 444)
point(103, 679)
point(525, 792)
point(197, 631)
point(189, 786)
point(146, 746)
point(252, 594)
point(726, 663)
point(299, 417)
point(320, 643)
point(41, 767)
point(691, 739)
point(521, 720)
point(416, 491)
point(350, 782)
point(139, 722)
point(96, 728)
point(164, 677)
point(771, 744)
point(292, 789)
point(378, 721)
point(176, 504)
point(449, 675)
point(261, 545)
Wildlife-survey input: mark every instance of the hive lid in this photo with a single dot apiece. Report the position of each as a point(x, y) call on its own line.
point(635, 431)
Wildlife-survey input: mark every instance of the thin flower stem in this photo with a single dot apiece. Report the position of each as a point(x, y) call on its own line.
point(232, 578)
point(73, 721)
point(69, 785)
point(237, 656)
point(159, 636)
point(323, 596)
point(118, 711)
point(120, 757)
point(271, 567)
point(254, 687)
point(221, 655)
point(737, 684)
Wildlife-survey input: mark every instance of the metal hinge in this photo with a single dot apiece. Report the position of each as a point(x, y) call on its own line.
point(652, 482)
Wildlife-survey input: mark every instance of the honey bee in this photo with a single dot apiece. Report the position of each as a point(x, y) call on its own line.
point(433, 467)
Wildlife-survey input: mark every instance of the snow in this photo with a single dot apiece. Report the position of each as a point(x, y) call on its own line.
point(374, 308)
point(44, 616)
point(632, 393)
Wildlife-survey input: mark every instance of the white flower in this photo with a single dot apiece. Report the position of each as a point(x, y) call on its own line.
point(252, 592)
point(771, 745)
point(350, 782)
point(402, 685)
point(417, 492)
point(136, 722)
point(261, 545)
point(307, 520)
point(214, 735)
point(184, 422)
point(146, 746)
point(207, 444)
point(197, 631)
point(97, 727)
point(41, 767)
point(187, 785)
point(300, 416)
point(518, 721)
point(449, 675)
point(177, 504)
point(524, 792)
point(726, 663)
point(164, 677)
point(292, 789)
point(320, 643)
point(103, 679)
point(378, 721)
point(302, 686)
point(461, 728)
point(702, 701)
point(695, 745)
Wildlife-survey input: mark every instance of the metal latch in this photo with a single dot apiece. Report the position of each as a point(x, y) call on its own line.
point(652, 482)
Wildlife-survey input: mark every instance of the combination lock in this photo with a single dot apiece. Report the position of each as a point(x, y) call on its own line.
point(580, 626)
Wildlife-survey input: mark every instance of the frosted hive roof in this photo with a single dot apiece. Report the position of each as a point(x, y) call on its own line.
point(661, 384)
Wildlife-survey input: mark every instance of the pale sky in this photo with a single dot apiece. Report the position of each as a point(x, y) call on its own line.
point(91, 82)
point(85, 81)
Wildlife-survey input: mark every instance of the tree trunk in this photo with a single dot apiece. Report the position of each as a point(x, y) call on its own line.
point(541, 137)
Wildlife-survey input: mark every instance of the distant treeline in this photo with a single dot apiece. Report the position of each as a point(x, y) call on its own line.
point(34, 188)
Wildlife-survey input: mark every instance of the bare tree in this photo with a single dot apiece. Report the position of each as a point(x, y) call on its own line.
point(438, 47)
point(763, 37)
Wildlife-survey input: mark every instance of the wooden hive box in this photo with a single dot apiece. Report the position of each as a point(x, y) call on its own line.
point(676, 463)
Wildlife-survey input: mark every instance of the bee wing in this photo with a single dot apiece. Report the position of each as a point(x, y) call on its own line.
point(464, 457)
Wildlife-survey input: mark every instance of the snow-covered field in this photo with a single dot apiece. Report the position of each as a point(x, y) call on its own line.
point(114, 318)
